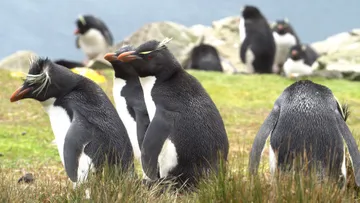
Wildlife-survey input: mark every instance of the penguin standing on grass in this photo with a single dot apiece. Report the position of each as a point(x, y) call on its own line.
point(307, 122)
point(129, 100)
point(87, 129)
point(186, 138)
point(285, 37)
point(205, 57)
point(257, 50)
point(93, 36)
point(301, 61)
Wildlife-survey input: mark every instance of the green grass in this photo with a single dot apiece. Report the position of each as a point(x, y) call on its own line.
point(244, 102)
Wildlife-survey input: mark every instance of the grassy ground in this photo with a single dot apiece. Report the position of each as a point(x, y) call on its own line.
point(244, 102)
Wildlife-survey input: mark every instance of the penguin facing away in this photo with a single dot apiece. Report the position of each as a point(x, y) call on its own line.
point(300, 61)
point(129, 100)
point(186, 132)
point(87, 129)
point(93, 36)
point(257, 50)
point(285, 37)
point(205, 57)
point(307, 119)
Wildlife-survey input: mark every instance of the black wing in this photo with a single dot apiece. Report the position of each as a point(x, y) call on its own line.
point(155, 136)
point(352, 147)
point(142, 123)
point(244, 46)
point(76, 139)
point(77, 42)
point(105, 31)
point(265, 130)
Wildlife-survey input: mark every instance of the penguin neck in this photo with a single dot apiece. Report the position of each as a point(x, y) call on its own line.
point(125, 74)
point(147, 84)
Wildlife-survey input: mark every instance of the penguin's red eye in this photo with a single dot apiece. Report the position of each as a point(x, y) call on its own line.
point(149, 57)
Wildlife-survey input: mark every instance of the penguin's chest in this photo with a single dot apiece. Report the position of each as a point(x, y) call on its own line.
point(296, 68)
point(242, 31)
point(127, 119)
point(147, 84)
point(60, 124)
point(93, 43)
point(283, 45)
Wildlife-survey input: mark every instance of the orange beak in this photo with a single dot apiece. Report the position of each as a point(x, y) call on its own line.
point(19, 93)
point(110, 57)
point(293, 52)
point(280, 27)
point(76, 31)
point(127, 56)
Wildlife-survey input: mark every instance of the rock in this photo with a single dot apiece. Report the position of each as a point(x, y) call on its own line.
point(183, 40)
point(341, 53)
point(27, 178)
point(18, 61)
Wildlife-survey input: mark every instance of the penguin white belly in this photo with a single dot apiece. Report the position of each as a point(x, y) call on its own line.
point(92, 43)
point(296, 68)
point(250, 57)
point(60, 123)
point(242, 31)
point(272, 160)
point(283, 45)
point(168, 158)
point(127, 119)
point(85, 165)
point(147, 83)
point(343, 165)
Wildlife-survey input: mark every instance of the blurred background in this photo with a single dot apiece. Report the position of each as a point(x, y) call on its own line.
point(46, 26)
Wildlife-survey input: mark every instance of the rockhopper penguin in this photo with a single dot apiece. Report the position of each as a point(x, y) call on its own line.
point(129, 99)
point(205, 57)
point(186, 132)
point(257, 50)
point(307, 122)
point(301, 61)
point(285, 37)
point(87, 129)
point(93, 36)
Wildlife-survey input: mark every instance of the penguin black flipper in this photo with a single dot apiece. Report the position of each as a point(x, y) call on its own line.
point(351, 145)
point(160, 128)
point(142, 124)
point(243, 49)
point(74, 144)
point(105, 31)
point(77, 42)
point(261, 137)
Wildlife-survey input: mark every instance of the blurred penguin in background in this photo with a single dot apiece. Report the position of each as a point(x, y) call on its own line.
point(93, 36)
point(285, 37)
point(257, 50)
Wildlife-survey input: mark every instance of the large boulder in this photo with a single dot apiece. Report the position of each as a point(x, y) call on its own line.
point(18, 61)
point(183, 40)
point(341, 52)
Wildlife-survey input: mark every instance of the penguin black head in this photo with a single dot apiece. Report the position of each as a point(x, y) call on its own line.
point(282, 26)
point(45, 80)
point(121, 69)
point(251, 12)
point(151, 58)
point(297, 52)
point(85, 23)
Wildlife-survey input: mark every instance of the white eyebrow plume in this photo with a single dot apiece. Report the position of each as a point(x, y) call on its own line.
point(163, 43)
point(43, 78)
